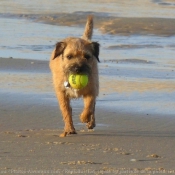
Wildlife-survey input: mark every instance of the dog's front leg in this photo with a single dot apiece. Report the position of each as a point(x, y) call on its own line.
point(88, 114)
point(66, 110)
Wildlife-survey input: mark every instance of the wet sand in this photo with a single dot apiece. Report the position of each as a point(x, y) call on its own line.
point(135, 109)
point(105, 23)
point(122, 142)
point(115, 25)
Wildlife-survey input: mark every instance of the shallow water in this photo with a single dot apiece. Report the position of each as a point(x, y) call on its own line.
point(26, 39)
point(127, 8)
point(136, 71)
point(30, 40)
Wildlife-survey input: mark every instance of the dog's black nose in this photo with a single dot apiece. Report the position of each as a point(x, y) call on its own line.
point(81, 68)
point(77, 69)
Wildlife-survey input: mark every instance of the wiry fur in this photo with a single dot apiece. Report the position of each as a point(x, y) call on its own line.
point(88, 29)
point(76, 55)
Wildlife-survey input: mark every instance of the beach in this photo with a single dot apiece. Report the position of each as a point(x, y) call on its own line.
point(122, 143)
point(135, 112)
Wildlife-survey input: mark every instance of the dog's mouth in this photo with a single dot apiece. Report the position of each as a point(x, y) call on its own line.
point(78, 69)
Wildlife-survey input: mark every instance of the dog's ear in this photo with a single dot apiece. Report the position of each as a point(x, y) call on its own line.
point(96, 50)
point(60, 46)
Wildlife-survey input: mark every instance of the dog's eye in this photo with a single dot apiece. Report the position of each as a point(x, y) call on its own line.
point(87, 56)
point(69, 56)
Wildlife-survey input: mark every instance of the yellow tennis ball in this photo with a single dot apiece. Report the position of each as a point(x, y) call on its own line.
point(78, 81)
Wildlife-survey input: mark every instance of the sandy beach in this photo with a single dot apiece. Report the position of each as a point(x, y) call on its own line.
point(135, 112)
point(122, 143)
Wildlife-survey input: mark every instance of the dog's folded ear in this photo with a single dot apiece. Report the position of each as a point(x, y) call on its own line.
point(59, 49)
point(96, 50)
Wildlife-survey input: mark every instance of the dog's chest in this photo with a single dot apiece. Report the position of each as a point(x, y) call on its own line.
point(73, 93)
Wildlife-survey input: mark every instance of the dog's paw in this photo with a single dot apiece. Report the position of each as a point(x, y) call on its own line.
point(85, 117)
point(89, 119)
point(91, 125)
point(64, 134)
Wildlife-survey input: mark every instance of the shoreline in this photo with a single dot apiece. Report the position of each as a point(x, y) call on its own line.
point(122, 84)
point(31, 123)
point(105, 23)
point(135, 112)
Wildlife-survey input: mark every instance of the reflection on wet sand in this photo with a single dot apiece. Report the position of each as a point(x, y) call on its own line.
point(118, 85)
point(105, 23)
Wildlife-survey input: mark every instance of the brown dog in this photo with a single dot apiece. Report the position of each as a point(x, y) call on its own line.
point(72, 56)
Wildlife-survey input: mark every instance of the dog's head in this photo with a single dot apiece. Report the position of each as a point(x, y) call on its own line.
point(78, 55)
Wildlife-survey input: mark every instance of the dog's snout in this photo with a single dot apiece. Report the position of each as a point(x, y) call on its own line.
point(77, 69)
point(80, 68)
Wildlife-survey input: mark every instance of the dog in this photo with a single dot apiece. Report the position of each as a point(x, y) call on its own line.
point(76, 56)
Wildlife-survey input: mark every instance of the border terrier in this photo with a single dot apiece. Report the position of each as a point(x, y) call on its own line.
point(71, 56)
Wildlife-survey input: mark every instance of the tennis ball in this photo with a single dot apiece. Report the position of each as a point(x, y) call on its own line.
point(78, 81)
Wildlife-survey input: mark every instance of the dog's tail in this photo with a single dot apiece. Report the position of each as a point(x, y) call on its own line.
point(88, 28)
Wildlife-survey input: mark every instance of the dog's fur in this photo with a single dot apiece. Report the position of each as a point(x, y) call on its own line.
point(76, 55)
